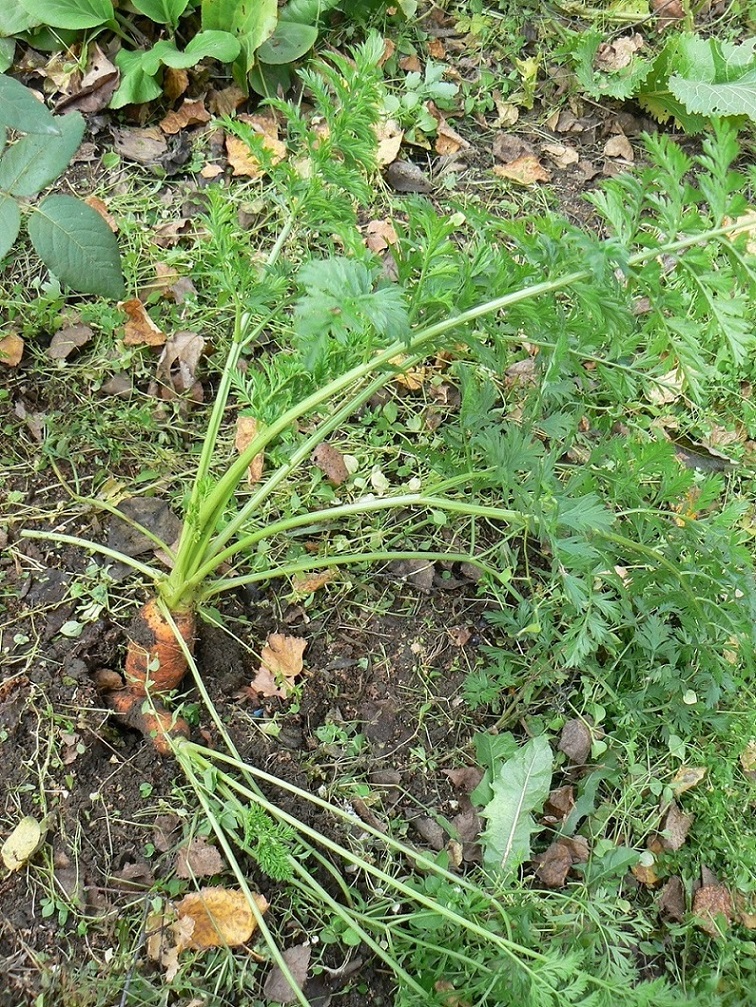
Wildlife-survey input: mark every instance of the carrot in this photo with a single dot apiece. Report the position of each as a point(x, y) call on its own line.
point(159, 724)
point(155, 664)
point(154, 658)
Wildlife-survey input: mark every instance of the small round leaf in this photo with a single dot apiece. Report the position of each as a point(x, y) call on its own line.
point(289, 42)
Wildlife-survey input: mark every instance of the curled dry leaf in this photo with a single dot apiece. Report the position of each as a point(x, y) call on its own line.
point(645, 874)
point(222, 917)
point(672, 900)
point(145, 146)
point(11, 350)
point(525, 170)
point(676, 826)
point(575, 741)
point(302, 586)
point(280, 663)
point(616, 55)
point(712, 907)
point(559, 804)
point(331, 462)
point(668, 12)
point(619, 146)
point(66, 340)
point(553, 865)
point(246, 431)
point(240, 156)
point(448, 140)
point(23, 843)
point(199, 860)
point(102, 208)
point(686, 778)
point(379, 235)
point(748, 760)
point(179, 360)
point(140, 330)
point(277, 987)
point(189, 113)
point(390, 136)
point(561, 154)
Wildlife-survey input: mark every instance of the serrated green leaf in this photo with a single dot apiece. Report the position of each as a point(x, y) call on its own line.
point(20, 110)
point(10, 222)
point(521, 787)
point(162, 11)
point(71, 13)
point(76, 244)
point(35, 161)
point(289, 42)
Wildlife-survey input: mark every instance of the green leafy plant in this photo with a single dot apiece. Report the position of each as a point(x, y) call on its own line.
point(691, 79)
point(70, 237)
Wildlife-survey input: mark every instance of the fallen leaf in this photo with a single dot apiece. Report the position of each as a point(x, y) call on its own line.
point(303, 586)
point(170, 233)
point(672, 900)
point(553, 865)
point(189, 113)
point(508, 147)
point(686, 778)
point(101, 207)
point(96, 87)
point(175, 82)
point(459, 636)
point(23, 843)
point(676, 825)
point(712, 907)
point(666, 388)
point(331, 462)
point(145, 146)
point(559, 804)
point(379, 235)
point(179, 360)
point(575, 741)
point(280, 663)
point(619, 146)
point(525, 170)
point(199, 860)
point(645, 874)
point(507, 113)
point(11, 350)
point(465, 778)
point(65, 341)
point(561, 154)
point(226, 101)
point(420, 573)
point(390, 136)
point(616, 55)
point(242, 158)
point(410, 64)
point(448, 140)
point(140, 330)
point(748, 760)
point(668, 12)
point(277, 987)
point(222, 918)
point(246, 431)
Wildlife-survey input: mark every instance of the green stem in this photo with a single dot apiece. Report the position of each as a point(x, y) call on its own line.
point(157, 576)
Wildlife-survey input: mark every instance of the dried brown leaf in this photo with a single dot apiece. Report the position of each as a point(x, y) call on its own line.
point(11, 350)
point(448, 140)
point(668, 12)
point(619, 146)
point(645, 874)
point(66, 340)
point(247, 429)
point(179, 360)
point(676, 826)
point(175, 82)
point(331, 462)
point(191, 112)
point(560, 803)
point(102, 208)
point(242, 159)
point(712, 907)
point(302, 586)
point(379, 235)
point(575, 741)
point(277, 987)
point(222, 918)
point(616, 55)
point(672, 900)
point(199, 860)
point(390, 136)
point(686, 778)
point(145, 146)
point(280, 663)
point(552, 866)
point(525, 170)
point(140, 330)
point(748, 760)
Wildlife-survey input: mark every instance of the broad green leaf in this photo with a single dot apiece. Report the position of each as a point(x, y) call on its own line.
point(306, 11)
point(35, 161)
point(162, 11)
point(15, 18)
point(76, 244)
point(289, 42)
point(220, 45)
point(20, 110)
point(251, 23)
point(716, 78)
point(7, 53)
point(137, 86)
point(521, 787)
point(70, 13)
point(10, 222)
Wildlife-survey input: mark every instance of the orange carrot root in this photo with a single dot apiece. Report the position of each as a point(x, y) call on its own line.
point(154, 658)
point(160, 724)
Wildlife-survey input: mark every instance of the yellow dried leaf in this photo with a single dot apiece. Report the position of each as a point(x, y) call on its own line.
point(140, 330)
point(390, 137)
point(302, 586)
point(242, 159)
point(22, 843)
point(686, 778)
point(222, 918)
point(246, 431)
point(281, 662)
point(11, 350)
point(525, 170)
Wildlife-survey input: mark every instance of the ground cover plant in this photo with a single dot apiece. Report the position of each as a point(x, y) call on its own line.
point(549, 451)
